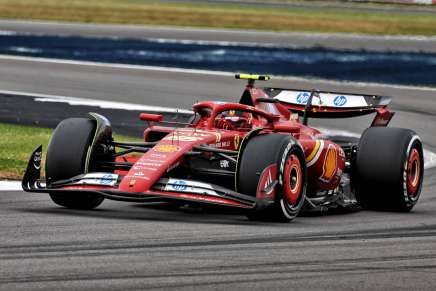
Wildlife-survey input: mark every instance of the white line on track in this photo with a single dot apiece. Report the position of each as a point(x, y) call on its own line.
point(114, 65)
point(200, 72)
point(10, 186)
point(96, 103)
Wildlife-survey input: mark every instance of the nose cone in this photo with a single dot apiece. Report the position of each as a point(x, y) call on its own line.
point(163, 157)
point(151, 166)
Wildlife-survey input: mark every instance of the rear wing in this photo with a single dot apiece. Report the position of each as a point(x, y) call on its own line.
point(320, 104)
point(317, 104)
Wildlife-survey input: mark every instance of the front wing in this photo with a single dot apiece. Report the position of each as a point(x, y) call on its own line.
point(166, 189)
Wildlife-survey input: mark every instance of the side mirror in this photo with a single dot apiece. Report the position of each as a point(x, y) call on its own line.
point(150, 117)
point(286, 128)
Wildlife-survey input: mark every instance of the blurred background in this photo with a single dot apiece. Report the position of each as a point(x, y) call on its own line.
point(341, 40)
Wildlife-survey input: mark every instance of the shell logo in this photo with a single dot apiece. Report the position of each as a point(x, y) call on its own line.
point(217, 136)
point(236, 141)
point(166, 148)
point(330, 164)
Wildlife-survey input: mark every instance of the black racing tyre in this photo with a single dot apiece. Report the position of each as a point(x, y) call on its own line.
point(389, 169)
point(66, 157)
point(262, 151)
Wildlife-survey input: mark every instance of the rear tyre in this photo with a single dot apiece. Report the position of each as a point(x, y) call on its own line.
point(283, 150)
point(389, 169)
point(66, 158)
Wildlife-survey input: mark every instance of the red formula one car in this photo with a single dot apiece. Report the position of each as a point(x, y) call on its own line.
point(257, 155)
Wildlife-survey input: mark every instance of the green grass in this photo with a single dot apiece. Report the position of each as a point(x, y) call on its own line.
point(220, 16)
point(17, 143)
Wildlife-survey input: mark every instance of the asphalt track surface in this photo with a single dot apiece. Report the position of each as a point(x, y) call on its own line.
point(129, 246)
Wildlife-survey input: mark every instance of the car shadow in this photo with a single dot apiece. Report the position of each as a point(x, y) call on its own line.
point(167, 212)
point(162, 212)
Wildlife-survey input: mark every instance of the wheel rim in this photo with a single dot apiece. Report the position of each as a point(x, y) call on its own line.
point(293, 177)
point(413, 172)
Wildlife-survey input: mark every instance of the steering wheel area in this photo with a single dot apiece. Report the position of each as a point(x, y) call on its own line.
point(234, 120)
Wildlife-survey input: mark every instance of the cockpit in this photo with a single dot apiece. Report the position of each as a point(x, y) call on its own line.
point(229, 116)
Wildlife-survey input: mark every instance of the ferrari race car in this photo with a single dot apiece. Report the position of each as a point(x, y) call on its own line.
point(258, 155)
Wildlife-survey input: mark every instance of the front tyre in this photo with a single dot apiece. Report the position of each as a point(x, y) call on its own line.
point(66, 158)
point(389, 169)
point(261, 152)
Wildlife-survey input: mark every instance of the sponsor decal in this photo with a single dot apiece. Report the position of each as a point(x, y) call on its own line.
point(107, 179)
point(217, 136)
point(37, 160)
point(341, 153)
point(139, 174)
point(179, 185)
point(236, 141)
point(194, 131)
point(330, 164)
point(166, 148)
point(189, 187)
point(132, 183)
point(146, 161)
point(149, 164)
point(267, 182)
point(224, 164)
point(303, 97)
point(143, 168)
point(178, 137)
point(137, 177)
point(159, 156)
point(282, 162)
point(104, 179)
point(328, 99)
point(148, 169)
point(340, 100)
point(220, 144)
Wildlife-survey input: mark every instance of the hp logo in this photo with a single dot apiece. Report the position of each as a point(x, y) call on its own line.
point(340, 100)
point(179, 185)
point(106, 179)
point(303, 97)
